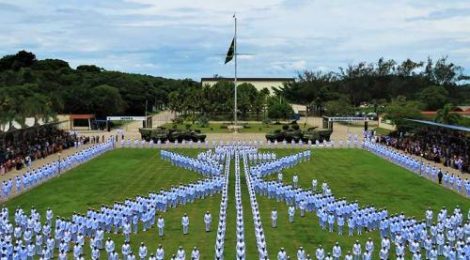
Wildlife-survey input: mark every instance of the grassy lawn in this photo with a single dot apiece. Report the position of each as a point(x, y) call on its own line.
point(382, 131)
point(355, 175)
point(122, 174)
point(114, 176)
point(222, 128)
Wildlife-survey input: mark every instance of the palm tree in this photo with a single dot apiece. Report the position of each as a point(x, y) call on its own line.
point(445, 115)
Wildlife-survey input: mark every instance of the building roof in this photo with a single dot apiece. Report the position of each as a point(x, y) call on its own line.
point(82, 116)
point(248, 79)
point(462, 108)
point(453, 127)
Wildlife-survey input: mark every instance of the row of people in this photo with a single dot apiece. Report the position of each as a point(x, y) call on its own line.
point(33, 177)
point(221, 228)
point(206, 166)
point(385, 251)
point(270, 167)
point(448, 229)
point(240, 224)
point(122, 217)
point(17, 152)
point(449, 180)
point(258, 225)
point(352, 142)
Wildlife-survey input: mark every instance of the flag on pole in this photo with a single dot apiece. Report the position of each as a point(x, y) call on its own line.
point(230, 52)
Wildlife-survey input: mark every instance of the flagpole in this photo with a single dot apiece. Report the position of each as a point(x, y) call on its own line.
point(235, 78)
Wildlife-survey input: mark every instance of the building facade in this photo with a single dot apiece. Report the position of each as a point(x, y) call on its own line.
point(259, 83)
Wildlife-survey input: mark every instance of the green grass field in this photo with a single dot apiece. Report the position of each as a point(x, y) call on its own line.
point(121, 174)
point(354, 174)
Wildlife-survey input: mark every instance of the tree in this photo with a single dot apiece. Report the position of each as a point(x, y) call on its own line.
point(279, 110)
point(19, 60)
point(174, 102)
point(434, 97)
point(51, 65)
point(400, 109)
point(445, 115)
point(340, 107)
point(89, 68)
point(107, 101)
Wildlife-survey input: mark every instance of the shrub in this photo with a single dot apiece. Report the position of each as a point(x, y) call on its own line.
point(203, 121)
point(178, 120)
point(295, 127)
point(285, 127)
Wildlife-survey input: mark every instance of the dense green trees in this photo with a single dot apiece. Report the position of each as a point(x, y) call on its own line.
point(445, 115)
point(41, 88)
point(433, 83)
point(36, 88)
point(434, 97)
point(217, 101)
point(400, 109)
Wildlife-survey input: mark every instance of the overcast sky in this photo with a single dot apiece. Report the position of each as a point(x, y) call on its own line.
point(277, 38)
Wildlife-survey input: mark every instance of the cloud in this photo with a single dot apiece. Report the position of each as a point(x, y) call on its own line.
point(7, 8)
point(444, 14)
point(189, 38)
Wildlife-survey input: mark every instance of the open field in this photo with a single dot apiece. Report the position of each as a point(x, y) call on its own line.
point(354, 174)
point(222, 128)
point(121, 174)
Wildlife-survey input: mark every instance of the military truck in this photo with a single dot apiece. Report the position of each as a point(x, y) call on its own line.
point(292, 132)
point(173, 135)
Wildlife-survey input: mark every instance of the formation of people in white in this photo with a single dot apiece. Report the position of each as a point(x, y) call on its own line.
point(220, 239)
point(266, 168)
point(239, 209)
point(33, 177)
point(443, 233)
point(259, 231)
point(205, 164)
point(32, 235)
point(448, 235)
point(419, 167)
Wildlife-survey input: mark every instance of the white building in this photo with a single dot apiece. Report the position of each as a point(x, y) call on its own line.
point(259, 83)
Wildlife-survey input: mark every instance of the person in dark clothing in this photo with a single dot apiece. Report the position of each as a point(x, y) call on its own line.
point(439, 177)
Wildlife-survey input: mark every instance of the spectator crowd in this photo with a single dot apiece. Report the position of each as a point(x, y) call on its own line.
point(451, 148)
point(19, 152)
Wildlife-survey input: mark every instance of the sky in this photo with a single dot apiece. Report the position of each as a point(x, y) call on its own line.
point(276, 38)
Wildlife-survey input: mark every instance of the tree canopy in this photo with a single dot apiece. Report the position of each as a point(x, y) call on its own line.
point(434, 83)
point(31, 87)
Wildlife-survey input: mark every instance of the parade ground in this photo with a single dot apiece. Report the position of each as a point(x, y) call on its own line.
point(351, 173)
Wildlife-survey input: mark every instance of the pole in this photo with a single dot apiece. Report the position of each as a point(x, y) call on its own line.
point(235, 78)
point(59, 163)
point(146, 105)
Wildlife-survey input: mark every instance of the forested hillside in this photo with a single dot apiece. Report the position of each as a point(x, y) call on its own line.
point(32, 87)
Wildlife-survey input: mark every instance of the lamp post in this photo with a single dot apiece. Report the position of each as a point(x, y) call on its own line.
point(421, 165)
point(59, 162)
